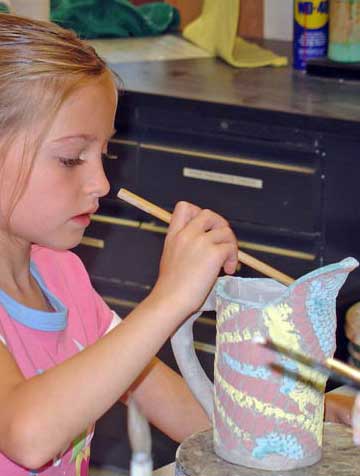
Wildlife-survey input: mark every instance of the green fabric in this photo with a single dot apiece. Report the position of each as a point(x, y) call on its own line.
point(114, 18)
point(4, 8)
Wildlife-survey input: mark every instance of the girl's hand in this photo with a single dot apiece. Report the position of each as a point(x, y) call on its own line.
point(198, 244)
point(356, 420)
point(338, 407)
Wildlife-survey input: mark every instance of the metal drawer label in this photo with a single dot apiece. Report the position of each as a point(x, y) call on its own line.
point(222, 178)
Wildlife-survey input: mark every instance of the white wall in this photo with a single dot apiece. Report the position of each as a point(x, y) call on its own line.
point(38, 9)
point(278, 21)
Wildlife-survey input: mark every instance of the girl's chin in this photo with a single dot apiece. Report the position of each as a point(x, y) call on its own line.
point(62, 244)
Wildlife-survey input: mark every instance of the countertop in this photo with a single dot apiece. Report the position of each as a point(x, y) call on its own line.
point(269, 88)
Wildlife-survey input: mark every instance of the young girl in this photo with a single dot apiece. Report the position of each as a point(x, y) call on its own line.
point(64, 360)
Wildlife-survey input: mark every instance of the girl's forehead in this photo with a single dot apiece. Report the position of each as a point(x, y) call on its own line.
point(88, 111)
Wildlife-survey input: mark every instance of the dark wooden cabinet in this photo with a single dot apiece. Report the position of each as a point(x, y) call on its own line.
point(275, 152)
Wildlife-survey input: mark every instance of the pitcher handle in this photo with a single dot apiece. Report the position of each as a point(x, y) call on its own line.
point(182, 344)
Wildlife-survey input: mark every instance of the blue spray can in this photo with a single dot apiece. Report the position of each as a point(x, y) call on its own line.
point(311, 30)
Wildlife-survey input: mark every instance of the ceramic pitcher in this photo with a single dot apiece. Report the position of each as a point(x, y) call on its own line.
point(267, 410)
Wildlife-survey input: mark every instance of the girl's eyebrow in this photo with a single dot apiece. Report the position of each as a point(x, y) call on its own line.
point(84, 137)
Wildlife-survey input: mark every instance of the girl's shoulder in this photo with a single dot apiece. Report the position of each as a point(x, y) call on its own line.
point(54, 263)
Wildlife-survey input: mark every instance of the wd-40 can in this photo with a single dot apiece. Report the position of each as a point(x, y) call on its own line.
point(311, 28)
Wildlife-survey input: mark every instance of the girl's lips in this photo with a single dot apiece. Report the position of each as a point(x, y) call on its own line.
point(83, 220)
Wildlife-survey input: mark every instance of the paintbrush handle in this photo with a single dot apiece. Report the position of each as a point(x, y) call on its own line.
point(334, 368)
point(165, 216)
point(144, 205)
point(348, 371)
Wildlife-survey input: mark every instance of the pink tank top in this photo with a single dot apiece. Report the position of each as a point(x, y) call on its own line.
point(40, 340)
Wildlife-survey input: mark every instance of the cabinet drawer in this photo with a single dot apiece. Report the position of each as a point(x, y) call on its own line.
point(293, 254)
point(243, 188)
point(128, 252)
point(119, 251)
point(120, 165)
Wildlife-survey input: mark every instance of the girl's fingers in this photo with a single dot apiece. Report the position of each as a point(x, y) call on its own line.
point(225, 236)
point(199, 220)
point(222, 235)
point(206, 220)
point(192, 223)
point(228, 257)
point(183, 213)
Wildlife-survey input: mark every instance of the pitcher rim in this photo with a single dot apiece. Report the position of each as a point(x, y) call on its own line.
point(347, 264)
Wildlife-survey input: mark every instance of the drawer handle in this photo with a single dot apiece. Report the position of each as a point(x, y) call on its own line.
point(111, 156)
point(93, 242)
point(277, 251)
point(229, 179)
point(146, 226)
point(206, 321)
point(247, 245)
point(207, 348)
point(153, 228)
point(236, 160)
point(131, 143)
point(115, 221)
point(119, 302)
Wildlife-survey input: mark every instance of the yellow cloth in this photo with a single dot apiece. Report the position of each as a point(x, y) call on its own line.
point(215, 31)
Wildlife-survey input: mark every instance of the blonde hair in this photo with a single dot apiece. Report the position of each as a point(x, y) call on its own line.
point(41, 64)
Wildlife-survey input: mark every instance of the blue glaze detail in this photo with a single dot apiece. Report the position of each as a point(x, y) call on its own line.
point(280, 291)
point(281, 444)
point(288, 382)
point(320, 303)
point(258, 372)
point(347, 264)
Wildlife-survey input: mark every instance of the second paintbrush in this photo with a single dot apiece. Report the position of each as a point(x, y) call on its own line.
point(333, 368)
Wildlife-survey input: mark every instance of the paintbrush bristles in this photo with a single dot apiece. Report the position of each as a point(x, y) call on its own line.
point(332, 367)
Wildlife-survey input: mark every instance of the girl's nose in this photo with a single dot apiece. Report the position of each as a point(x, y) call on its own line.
point(97, 184)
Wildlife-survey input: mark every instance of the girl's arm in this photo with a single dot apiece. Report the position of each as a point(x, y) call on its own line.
point(168, 403)
point(39, 417)
point(338, 407)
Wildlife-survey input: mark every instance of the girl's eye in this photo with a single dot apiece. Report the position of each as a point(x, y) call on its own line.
point(73, 162)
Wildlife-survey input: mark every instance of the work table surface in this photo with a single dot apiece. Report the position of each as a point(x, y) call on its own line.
point(279, 89)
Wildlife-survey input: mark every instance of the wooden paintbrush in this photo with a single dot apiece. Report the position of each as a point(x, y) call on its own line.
point(333, 368)
point(165, 216)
